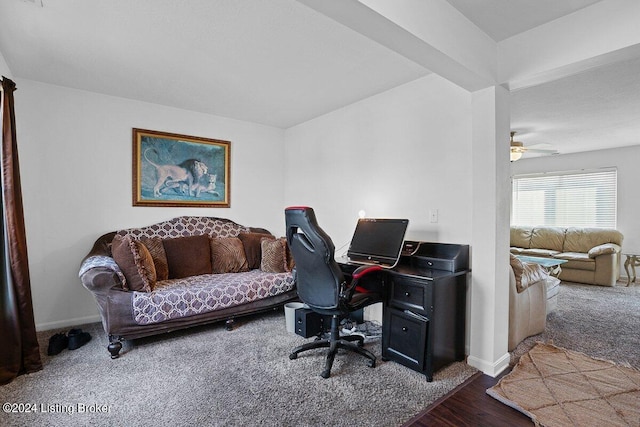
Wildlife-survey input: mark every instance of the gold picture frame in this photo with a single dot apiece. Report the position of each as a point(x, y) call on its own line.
point(180, 170)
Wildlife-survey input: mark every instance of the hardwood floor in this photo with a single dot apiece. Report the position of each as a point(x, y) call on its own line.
point(469, 405)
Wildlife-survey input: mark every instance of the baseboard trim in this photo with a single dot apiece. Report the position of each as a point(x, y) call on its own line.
point(66, 323)
point(492, 369)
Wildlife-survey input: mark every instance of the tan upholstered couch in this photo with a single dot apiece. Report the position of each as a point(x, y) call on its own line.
point(532, 295)
point(592, 254)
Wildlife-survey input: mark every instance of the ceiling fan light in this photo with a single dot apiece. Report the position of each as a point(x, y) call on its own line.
point(515, 155)
point(517, 148)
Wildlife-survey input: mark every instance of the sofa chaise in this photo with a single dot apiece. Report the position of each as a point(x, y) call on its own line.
point(592, 254)
point(184, 272)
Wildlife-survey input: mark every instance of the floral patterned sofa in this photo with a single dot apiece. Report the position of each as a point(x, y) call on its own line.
point(184, 272)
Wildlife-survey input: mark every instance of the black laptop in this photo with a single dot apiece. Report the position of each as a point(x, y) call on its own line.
point(377, 241)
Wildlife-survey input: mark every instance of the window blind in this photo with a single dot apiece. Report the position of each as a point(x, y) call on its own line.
point(566, 199)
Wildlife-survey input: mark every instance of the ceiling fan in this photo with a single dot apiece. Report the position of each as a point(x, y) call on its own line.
point(518, 149)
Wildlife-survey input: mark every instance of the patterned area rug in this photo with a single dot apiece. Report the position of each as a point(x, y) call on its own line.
point(558, 387)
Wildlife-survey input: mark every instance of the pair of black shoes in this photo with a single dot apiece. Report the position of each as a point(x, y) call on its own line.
point(76, 339)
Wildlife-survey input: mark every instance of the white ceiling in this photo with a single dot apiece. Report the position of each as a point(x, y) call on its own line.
point(593, 110)
point(596, 109)
point(502, 19)
point(274, 62)
point(280, 63)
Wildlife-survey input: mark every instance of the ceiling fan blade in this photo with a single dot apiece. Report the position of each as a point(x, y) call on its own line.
point(539, 150)
point(541, 146)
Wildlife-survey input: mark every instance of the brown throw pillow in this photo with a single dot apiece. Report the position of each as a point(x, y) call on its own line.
point(291, 263)
point(156, 249)
point(227, 255)
point(136, 263)
point(252, 247)
point(274, 259)
point(188, 256)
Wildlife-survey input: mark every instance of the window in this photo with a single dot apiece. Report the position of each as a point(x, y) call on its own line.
point(566, 199)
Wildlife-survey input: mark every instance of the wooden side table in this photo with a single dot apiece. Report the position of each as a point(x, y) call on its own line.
point(633, 261)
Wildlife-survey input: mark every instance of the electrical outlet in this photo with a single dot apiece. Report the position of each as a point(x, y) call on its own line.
point(433, 215)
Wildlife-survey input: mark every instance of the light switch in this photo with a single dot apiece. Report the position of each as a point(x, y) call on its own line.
point(433, 215)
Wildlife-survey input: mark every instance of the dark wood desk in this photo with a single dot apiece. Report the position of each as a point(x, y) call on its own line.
point(424, 308)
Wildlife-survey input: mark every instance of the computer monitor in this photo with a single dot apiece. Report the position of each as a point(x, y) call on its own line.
point(378, 241)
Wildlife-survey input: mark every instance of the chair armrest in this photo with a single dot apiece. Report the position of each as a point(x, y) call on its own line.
point(604, 249)
point(364, 270)
point(348, 290)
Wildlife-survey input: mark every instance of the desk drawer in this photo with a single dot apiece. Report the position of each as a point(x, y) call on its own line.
point(410, 294)
point(405, 339)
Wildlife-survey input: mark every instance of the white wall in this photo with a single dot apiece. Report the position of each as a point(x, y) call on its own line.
point(401, 153)
point(4, 68)
point(624, 159)
point(75, 152)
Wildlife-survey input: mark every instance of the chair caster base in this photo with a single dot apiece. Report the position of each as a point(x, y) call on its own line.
point(335, 342)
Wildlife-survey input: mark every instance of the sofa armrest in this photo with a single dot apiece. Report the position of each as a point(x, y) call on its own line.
point(607, 270)
point(526, 273)
point(259, 230)
point(605, 249)
point(527, 310)
point(532, 273)
point(102, 246)
point(100, 273)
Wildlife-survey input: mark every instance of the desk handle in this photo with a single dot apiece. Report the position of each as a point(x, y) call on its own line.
point(407, 294)
point(404, 329)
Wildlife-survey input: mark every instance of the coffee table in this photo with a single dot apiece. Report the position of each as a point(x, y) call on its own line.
point(552, 265)
point(632, 261)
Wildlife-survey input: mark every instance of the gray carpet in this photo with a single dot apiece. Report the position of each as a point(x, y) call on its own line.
point(212, 377)
point(602, 322)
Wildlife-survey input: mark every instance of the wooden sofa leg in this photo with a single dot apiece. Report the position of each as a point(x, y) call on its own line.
point(228, 325)
point(114, 346)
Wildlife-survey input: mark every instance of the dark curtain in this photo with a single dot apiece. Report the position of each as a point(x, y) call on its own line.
point(19, 350)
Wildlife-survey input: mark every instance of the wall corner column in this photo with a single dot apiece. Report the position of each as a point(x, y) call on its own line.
point(489, 292)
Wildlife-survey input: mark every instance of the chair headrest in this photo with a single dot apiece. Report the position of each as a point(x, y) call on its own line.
point(304, 218)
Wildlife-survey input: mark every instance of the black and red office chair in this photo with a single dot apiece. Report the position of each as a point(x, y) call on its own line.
point(322, 286)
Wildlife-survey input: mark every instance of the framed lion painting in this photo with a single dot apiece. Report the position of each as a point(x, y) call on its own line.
point(180, 170)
